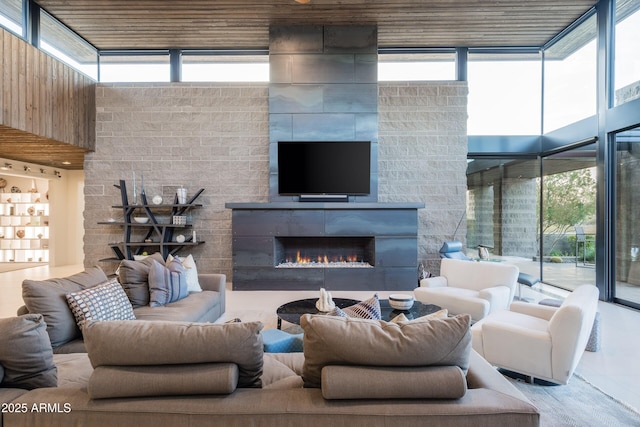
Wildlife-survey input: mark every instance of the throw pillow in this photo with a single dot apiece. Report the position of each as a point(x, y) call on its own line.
point(367, 309)
point(26, 354)
point(134, 277)
point(107, 301)
point(47, 297)
point(440, 314)
point(157, 343)
point(330, 340)
point(166, 284)
point(191, 272)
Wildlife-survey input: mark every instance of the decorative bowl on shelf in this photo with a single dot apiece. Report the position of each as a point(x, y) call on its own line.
point(141, 219)
point(401, 301)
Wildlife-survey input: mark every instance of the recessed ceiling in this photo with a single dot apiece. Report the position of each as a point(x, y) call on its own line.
point(217, 24)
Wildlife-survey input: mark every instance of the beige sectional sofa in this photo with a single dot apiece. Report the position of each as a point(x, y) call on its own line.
point(355, 372)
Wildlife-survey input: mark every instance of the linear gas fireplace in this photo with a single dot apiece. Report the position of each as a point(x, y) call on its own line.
point(324, 252)
point(336, 246)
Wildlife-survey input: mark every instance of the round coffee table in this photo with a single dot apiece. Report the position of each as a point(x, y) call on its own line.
point(292, 311)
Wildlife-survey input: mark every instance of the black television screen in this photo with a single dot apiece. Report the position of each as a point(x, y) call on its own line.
point(324, 167)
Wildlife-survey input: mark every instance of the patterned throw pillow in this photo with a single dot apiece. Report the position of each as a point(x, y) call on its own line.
point(367, 309)
point(167, 284)
point(106, 301)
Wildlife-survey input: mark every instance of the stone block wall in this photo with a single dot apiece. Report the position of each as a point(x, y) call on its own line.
point(423, 157)
point(211, 136)
point(216, 136)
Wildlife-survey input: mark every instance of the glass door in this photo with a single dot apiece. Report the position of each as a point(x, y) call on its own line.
point(568, 217)
point(627, 226)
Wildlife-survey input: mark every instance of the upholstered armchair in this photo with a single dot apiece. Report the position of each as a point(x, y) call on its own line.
point(536, 340)
point(475, 288)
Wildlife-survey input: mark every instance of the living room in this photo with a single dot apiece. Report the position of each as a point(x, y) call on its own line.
point(217, 136)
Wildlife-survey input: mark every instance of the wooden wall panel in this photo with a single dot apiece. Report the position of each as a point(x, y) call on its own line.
point(47, 109)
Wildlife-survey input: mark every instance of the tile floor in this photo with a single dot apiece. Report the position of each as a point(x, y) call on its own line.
point(614, 369)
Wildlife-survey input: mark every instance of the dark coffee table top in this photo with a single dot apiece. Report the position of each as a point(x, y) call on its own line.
point(292, 311)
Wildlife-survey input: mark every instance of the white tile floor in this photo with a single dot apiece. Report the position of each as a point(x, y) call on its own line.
point(614, 369)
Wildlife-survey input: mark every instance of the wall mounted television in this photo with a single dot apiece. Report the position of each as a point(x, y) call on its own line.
point(324, 168)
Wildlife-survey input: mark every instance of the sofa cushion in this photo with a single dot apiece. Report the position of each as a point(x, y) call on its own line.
point(134, 278)
point(191, 309)
point(367, 309)
point(163, 380)
point(144, 343)
point(26, 354)
point(48, 298)
point(371, 382)
point(330, 340)
point(166, 283)
point(106, 301)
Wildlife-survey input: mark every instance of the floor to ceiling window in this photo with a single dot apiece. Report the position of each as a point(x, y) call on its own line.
point(568, 217)
point(627, 222)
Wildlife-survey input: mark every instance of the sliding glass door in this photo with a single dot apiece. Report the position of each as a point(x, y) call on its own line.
point(627, 226)
point(568, 217)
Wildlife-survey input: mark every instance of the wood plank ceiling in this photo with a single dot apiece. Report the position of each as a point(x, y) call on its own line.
point(222, 24)
point(213, 24)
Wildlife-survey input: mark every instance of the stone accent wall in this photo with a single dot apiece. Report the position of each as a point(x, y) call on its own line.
point(216, 136)
point(423, 157)
point(211, 136)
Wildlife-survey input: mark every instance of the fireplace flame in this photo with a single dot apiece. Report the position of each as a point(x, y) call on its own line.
point(323, 259)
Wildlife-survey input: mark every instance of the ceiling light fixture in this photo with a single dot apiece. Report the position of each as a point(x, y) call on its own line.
point(58, 174)
point(303, 1)
point(26, 168)
point(66, 162)
point(6, 166)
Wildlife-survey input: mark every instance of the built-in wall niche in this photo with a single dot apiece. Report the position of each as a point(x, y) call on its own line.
point(324, 252)
point(24, 220)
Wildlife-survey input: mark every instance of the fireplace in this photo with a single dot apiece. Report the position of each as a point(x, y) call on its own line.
point(324, 252)
point(336, 246)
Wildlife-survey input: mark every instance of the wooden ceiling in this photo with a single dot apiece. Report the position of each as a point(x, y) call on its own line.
point(28, 147)
point(217, 24)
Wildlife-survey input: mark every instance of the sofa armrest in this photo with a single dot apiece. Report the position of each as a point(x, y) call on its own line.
point(434, 282)
point(535, 310)
point(22, 310)
point(499, 297)
point(214, 282)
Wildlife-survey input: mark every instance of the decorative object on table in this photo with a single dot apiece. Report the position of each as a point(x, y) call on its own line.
point(182, 195)
point(483, 252)
point(20, 234)
point(401, 301)
point(141, 219)
point(16, 189)
point(325, 302)
point(422, 273)
point(179, 220)
point(157, 199)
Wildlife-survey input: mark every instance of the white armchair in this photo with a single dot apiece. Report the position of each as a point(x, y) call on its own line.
point(539, 341)
point(475, 288)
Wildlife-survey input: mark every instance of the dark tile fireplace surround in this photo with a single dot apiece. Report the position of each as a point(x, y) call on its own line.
point(382, 238)
point(324, 87)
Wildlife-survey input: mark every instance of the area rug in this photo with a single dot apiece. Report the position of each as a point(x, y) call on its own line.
point(577, 404)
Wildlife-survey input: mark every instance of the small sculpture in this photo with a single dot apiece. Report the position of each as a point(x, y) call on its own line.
point(325, 303)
